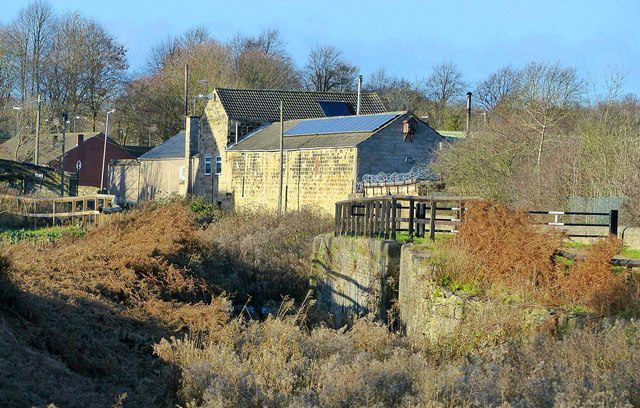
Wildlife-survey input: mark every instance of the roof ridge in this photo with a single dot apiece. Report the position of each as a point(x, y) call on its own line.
point(295, 91)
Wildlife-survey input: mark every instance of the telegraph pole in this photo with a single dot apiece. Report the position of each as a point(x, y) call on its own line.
point(281, 159)
point(64, 131)
point(36, 155)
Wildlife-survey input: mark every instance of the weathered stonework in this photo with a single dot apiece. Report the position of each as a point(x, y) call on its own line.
point(311, 178)
point(364, 275)
point(214, 131)
point(355, 274)
point(428, 309)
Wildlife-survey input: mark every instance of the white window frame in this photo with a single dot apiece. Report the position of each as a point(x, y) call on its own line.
point(182, 172)
point(218, 162)
point(207, 161)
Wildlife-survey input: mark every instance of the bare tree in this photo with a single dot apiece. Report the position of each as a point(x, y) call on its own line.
point(105, 66)
point(170, 50)
point(396, 93)
point(492, 90)
point(444, 85)
point(86, 65)
point(546, 94)
point(31, 30)
point(262, 61)
point(326, 70)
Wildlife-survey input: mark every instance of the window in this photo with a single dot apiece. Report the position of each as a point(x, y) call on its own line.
point(218, 164)
point(182, 177)
point(207, 165)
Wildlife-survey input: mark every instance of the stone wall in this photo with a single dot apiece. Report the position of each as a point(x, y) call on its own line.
point(312, 178)
point(387, 152)
point(355, 274)
point(364, 275)
point(428, 309)
point(214, 131)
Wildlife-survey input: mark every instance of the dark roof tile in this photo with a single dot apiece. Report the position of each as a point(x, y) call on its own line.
point(264, 105)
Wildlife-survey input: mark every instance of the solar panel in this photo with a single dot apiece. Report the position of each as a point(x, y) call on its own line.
point(334, 108)
point(361, 123)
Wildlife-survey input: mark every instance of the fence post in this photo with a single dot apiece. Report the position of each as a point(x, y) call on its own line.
point(411, 219)
point(613, 222)
point(432, 221)
point(393, 218)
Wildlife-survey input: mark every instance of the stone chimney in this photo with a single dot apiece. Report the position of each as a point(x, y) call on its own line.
point(191, 136)
point(79, 139)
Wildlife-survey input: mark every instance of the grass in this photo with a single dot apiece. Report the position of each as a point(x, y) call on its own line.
point(14, 235)
point(280, 362)
point(630, 253)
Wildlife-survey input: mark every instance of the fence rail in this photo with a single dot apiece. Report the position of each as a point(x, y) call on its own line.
point(87, 208)
point(612, 225)
point(385, 216)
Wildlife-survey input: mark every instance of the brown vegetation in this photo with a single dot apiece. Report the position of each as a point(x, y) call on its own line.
point(501, 249)
point(79, 316)
point(262, 255)
point(280, 363)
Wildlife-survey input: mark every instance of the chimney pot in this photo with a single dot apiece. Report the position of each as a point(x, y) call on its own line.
point(80, 139)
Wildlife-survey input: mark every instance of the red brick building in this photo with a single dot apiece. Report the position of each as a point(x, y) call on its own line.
point(85, 157)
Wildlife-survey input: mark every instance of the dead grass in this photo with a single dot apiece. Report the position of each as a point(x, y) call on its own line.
point(263, 256)
point(97, 304)
point(281, 363)
point(502, 252)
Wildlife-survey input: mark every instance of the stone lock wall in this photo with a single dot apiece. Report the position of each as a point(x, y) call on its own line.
point(355, 274)
point(312, 178)
point(428, 309)
point(366, 275)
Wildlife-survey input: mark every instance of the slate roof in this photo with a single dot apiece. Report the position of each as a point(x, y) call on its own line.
point(264, 105)
point(50, 146)
point(170, 149)
point(268, 138)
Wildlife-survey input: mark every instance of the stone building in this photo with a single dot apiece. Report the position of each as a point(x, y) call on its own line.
point(229, 116)
point(323, 158)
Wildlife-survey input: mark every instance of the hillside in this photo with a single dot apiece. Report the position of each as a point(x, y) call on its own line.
point(180, 304)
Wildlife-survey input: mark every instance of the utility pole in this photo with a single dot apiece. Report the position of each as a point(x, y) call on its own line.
point(468, 113)
point(186, 90)
point(281, 159)
point(64, 131)
point(36, 155)
point(104, 151)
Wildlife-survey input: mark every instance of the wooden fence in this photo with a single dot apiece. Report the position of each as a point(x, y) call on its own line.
point(385, 216)
point(84, 208)
point(559, 220)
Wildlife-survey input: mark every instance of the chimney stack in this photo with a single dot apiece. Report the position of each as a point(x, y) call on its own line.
point(191, 136)
point(79, 139)
point(359, 94)
point(468, 113)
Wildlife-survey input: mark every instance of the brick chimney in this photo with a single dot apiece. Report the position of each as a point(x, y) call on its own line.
point(79, 139)
point(191, 136)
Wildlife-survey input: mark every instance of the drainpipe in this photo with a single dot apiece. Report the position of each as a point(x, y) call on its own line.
point(359, 94)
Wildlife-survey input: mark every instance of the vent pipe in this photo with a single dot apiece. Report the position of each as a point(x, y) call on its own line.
point(468, 113)
point(359, 94)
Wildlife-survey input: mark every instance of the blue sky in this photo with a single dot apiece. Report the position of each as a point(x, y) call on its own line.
point(405, 37)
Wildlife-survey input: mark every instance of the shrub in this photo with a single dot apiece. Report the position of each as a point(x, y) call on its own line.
point(279, 363)
point(500, 250)
point(263, 255)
